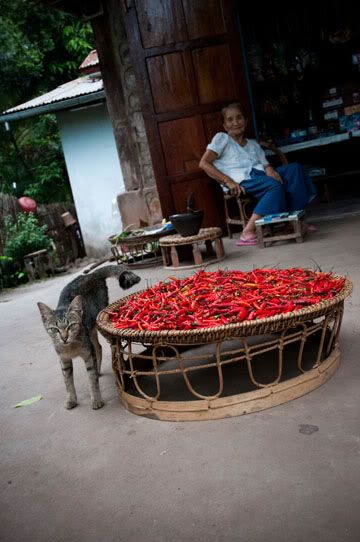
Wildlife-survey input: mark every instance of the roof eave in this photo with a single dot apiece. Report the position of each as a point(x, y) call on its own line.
point(85, 9)
point(72, 7)
point(53, 107)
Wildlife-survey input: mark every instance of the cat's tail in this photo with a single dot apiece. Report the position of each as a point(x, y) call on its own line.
point(126, 278)
point(96, 264)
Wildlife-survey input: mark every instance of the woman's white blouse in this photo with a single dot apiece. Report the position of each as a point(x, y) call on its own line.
point(234, 160)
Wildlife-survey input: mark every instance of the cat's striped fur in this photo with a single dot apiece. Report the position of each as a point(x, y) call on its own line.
point(72, 326)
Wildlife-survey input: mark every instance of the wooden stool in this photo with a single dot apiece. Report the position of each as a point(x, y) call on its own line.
point(243, 209)
point(38, 265)
point(293, 220)
point(170, 244)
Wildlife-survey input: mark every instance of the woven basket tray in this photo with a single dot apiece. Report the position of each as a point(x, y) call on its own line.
point(223, 332)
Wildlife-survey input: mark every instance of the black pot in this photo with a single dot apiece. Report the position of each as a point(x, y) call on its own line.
point(187, 224)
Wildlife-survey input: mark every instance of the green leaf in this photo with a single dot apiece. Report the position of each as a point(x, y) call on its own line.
point(40, 48)
point(27, 402)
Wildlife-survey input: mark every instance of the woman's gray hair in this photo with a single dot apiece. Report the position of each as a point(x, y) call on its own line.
point(236, 105)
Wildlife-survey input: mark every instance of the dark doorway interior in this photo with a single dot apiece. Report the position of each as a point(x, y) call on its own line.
point(303, 66)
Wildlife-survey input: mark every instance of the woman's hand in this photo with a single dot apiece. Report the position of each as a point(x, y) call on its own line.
point(234, 188)
point(271, 172)
point(206, 163)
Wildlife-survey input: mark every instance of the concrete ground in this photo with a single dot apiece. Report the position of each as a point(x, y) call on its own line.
point(109, 475)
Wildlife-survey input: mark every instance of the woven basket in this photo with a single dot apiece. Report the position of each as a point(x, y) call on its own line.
point(223, 332)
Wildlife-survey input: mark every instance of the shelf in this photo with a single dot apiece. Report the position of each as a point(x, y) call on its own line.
point(312, 143)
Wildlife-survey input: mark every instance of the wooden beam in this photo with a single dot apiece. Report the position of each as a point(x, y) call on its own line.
point(108, 30)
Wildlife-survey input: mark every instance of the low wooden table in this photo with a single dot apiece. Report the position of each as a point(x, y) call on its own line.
point(170, 244)
point(139, 250)
point(279, 222)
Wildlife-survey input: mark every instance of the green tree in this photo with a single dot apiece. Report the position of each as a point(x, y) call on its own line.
point(40, 48)
point(23, 236)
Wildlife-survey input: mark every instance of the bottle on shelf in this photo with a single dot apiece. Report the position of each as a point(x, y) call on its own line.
point(312, 127)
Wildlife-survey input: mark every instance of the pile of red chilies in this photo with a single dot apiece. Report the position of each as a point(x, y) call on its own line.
point(209, 299)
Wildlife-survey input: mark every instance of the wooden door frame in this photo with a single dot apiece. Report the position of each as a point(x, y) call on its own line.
point(151, 118)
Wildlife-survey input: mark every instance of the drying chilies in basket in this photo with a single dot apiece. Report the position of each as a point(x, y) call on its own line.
point(208, 299)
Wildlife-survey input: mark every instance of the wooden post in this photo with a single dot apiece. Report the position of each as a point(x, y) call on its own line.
point(174, 256)
point(109, 36)
point(259, 233)
point(164, 254)
point(197, 254)
point(297, 230)
point(219, 247)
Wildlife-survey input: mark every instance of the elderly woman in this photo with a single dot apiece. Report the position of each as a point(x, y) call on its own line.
point(240, 164)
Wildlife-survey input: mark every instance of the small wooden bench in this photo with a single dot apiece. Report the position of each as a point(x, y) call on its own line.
point(278, 222)
point(171, 243)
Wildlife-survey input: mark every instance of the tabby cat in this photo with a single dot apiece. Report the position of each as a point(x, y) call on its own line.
point(72, 326)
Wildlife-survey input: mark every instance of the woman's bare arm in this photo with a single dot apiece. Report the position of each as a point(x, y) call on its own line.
point(206, 163)
point(271, 172)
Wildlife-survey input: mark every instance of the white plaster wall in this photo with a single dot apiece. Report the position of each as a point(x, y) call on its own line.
point(94, 172)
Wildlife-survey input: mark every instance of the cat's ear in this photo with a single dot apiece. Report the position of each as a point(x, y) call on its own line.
point(76, 305)
point(46, 312)
point(128, 279)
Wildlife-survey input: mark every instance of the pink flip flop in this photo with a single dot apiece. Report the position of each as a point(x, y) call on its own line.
point(247, 242)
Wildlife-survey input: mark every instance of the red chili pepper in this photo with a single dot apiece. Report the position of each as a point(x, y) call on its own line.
point(209, 299)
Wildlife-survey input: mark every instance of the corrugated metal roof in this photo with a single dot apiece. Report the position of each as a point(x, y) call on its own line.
point(91, 60)
point(79, 87)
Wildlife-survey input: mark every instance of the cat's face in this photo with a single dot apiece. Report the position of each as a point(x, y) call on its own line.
point(64, 328)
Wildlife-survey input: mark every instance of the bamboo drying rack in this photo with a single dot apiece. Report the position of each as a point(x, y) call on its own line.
point(149, 364)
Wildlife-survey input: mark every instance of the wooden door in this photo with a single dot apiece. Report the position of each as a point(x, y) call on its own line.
point(188, 64)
